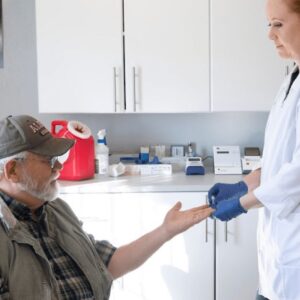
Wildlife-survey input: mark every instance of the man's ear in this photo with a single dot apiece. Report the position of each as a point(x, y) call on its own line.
point(10, 171)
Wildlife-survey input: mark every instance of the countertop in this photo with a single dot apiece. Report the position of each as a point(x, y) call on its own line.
point(176, 182)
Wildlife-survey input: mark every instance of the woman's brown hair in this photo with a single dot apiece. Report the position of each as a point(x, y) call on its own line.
point(294, 5)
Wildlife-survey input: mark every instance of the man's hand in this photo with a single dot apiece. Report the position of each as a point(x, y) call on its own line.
point(228, 209)
point(130, 256)
point(224, 191)
point(177, 221)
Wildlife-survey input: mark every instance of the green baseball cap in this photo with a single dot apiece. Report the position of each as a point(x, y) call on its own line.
point(25, 133)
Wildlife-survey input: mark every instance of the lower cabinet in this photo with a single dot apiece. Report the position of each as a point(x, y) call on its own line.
point(211, 261)
point(236, 258)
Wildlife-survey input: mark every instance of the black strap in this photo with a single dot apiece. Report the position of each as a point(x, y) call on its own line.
point(293, 78)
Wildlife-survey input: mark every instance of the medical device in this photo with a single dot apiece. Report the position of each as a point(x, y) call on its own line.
point(227, 160)
point(194, 166)
point(251, 160)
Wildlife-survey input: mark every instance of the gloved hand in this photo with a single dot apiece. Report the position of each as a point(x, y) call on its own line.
point(224, 191)
point(228, 209)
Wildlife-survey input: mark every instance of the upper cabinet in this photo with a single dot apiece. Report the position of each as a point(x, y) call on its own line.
point(245, 69)
point(79, 55)
point(167, 55)
point(123, 56)
point(105, 56)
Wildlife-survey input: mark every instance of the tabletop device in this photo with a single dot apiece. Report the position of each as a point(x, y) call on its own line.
point(227, 160)
point(194, 166)
point(251, 159)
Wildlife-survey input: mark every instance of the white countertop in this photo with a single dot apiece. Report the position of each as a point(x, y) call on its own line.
point(177, 182)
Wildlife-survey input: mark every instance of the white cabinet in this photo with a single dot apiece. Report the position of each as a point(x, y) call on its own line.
point(95, 211)
point(236, 258)
point(206, 262)
point(79, 55)
point(167, 55)
point(104, 56)
point(183, 268)
point(246, 71)
point(85, 48)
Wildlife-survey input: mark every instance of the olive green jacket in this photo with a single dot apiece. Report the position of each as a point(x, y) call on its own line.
point(24, 269)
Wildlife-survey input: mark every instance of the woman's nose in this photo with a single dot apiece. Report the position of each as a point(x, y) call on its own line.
point(271, 34)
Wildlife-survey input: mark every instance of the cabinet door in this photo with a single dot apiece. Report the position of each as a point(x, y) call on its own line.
point(236, 258)
point(167, 55)
point(183, 268)
point(246, 70)
point(95, 211)
point(79, 55)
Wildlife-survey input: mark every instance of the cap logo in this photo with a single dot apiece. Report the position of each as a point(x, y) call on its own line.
point(38, 127)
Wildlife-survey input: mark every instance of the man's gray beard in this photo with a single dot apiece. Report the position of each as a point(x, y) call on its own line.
point(45, 193)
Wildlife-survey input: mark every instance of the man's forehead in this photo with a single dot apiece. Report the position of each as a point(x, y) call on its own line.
point(31, 154)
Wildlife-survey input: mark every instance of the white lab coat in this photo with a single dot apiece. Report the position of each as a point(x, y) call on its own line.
point(279, 221)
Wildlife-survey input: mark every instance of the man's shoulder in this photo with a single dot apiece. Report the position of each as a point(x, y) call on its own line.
point(60, 206)
point(58, 202)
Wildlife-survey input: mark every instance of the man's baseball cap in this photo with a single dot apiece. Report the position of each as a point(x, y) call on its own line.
point(25, 133)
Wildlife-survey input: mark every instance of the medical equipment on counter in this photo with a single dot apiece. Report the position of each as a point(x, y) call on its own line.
point(102, 152)
point(251, 160)
point(80, 162)
point(194, 166)
point(116, 170)
point(148, 169)
point(158, 150)
point(144, 155)
point(227, 160)
point(190, 151)
point(177, 151)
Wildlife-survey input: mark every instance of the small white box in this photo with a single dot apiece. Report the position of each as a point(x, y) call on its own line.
point(149, 169)
point(159, 169)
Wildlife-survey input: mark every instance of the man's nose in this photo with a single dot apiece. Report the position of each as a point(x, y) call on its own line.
point(58, 166)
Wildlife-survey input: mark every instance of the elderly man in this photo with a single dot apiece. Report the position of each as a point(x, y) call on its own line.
point(44, 253)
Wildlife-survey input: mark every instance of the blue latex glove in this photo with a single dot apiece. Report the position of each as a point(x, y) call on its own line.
point(224, 191)
point(228, 209)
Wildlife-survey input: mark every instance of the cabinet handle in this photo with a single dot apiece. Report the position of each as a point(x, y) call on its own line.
point(226, 232)
point(134, 75)
point(206, 222)
point(116, 76)
point(206, 231)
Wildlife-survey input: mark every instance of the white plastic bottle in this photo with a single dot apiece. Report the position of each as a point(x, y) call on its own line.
point(102, 151)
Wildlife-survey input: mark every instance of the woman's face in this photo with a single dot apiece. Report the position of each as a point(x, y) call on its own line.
point(284, 29)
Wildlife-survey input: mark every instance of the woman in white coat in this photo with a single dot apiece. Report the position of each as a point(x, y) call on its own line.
point(276, 186)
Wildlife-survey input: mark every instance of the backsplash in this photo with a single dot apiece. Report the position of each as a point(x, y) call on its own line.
point(126, 133)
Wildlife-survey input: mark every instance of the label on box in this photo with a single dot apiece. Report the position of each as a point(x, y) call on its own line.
point(149, 169)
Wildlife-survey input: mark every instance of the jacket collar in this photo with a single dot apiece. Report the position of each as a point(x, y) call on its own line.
point(21, 211)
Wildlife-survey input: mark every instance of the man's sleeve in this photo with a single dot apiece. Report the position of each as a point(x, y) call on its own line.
point(104, 248)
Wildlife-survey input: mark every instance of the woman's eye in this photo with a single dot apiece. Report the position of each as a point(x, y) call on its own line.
point(276, 24)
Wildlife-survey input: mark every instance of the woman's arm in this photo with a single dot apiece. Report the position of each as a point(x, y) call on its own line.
point(253, 180)
point(249, 200)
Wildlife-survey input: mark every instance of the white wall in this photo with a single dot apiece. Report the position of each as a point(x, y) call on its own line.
point(18, 95)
